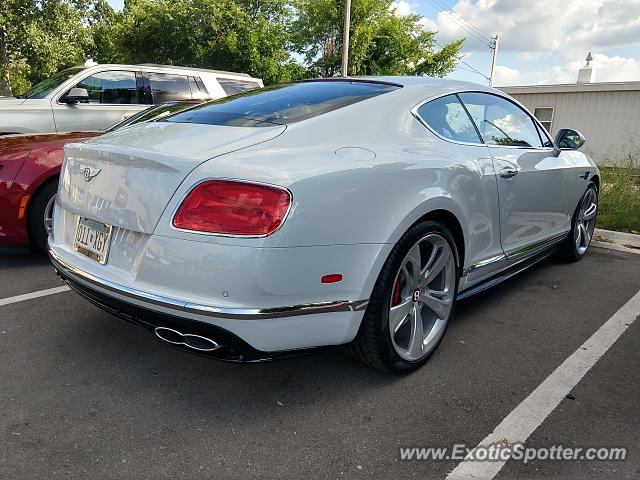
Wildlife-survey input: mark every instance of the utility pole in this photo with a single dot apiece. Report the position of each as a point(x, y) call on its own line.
point(345, 38)
point(494, 46)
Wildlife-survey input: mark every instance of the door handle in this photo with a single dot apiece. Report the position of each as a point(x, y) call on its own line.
point(508, 172)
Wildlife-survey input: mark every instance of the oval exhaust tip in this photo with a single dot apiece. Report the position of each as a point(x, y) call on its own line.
point(195, 342)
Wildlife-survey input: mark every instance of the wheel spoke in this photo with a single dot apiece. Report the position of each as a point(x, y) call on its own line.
point(417, 333)
point(585, 202)
point(586, 235)
point(583, 235)
point(437, 262)
point(590, 212)
point(413, 258)
point(578, 234)
point(398, 315)
point(438, 301)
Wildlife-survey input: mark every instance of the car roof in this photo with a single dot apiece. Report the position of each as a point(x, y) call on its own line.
point(434, 83)
point(195, 69)
point(416, 86)
point(99, 66)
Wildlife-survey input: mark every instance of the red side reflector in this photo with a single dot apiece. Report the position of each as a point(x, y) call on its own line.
point(332, 278)
point(233, 208)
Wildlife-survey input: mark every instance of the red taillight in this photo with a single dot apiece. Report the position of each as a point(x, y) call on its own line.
point(233, 208)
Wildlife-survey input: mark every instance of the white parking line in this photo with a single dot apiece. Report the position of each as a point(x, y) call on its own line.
point(29, 296)
point(534, 409)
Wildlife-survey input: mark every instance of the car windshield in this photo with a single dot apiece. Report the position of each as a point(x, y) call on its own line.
point(152, 114)
point(283, 104)
point(45, 87)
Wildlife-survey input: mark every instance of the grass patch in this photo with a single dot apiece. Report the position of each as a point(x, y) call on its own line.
point(619, 207)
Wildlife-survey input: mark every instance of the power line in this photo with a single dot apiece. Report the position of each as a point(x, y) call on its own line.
point(473, 69)
point(474, 31)
point(451, 11)
point(482, 40)
point(466, 29)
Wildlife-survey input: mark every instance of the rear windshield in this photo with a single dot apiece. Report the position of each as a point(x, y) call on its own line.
point(282, 104)
point(152, 113)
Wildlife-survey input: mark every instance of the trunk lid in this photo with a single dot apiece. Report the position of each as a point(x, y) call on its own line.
point(134, 172)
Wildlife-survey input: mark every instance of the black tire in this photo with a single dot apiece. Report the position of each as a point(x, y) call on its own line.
point(568, 250)
point(373, 345)
point(36, 211)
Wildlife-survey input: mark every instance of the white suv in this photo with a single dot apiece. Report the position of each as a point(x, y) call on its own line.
point(93, 97)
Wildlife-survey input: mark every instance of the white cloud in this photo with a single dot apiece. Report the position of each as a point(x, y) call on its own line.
point(549, 31)
point(607, 69)
point(506, 76)
point(544, 25)
point(428, 24)
point(402, 8)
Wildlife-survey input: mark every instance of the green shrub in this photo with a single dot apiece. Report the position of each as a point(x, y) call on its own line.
point(620, 198)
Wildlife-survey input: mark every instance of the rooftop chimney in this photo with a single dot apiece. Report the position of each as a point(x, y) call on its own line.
point(587, 74)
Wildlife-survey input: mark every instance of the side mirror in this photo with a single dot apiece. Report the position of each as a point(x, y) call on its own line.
point(77, 95)
point(568, 139)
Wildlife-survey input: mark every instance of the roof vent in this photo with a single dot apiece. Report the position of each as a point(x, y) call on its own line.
point(587, 74)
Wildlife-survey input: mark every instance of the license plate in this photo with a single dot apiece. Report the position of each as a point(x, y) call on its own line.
point(92, 239)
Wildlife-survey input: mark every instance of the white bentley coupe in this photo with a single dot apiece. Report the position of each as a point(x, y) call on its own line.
point(346, 211)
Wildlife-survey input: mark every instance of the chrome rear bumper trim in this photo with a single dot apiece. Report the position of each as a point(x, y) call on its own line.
point(67, 270)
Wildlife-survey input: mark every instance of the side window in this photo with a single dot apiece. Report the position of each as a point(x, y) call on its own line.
point(446, 117)
point(232, 86)
point(167, 87)
point(111, 87)
point(501, 122)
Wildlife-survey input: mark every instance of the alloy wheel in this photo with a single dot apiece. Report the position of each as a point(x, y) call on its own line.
point(586, 221)
point(422, 297)
point(48, 215)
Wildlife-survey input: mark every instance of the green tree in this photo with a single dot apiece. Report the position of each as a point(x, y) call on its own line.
point(15, 16)
point(39, 38)
point(241, 35)
point(381, 41)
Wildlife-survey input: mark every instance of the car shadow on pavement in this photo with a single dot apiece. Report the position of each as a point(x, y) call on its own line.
point(91, 349)
point(489, 297)
point(133, 365)
point(22, 259)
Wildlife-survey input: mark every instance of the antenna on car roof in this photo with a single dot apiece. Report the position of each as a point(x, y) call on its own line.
point(90, 63)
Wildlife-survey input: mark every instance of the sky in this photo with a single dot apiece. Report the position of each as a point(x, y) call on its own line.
point(541, 41)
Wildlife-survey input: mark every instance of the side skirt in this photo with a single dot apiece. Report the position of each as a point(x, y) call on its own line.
point(510, 271)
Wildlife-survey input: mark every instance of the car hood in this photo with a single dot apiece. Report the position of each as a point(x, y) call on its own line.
point(11, 101)
point(138, 169)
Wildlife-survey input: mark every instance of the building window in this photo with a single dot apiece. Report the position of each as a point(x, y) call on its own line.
point(544, 116)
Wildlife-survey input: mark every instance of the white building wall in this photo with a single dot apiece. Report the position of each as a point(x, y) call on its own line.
point(609, 120)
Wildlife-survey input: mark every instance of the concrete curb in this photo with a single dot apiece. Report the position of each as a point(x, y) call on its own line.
point(613, 246)
point(628, 240)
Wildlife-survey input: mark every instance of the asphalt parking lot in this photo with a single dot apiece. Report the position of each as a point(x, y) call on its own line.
point(84, 394)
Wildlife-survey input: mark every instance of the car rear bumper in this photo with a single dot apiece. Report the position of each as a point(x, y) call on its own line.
point(244, 334)
point(181, 306)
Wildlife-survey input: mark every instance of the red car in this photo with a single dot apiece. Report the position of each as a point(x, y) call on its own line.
point(29, 170)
